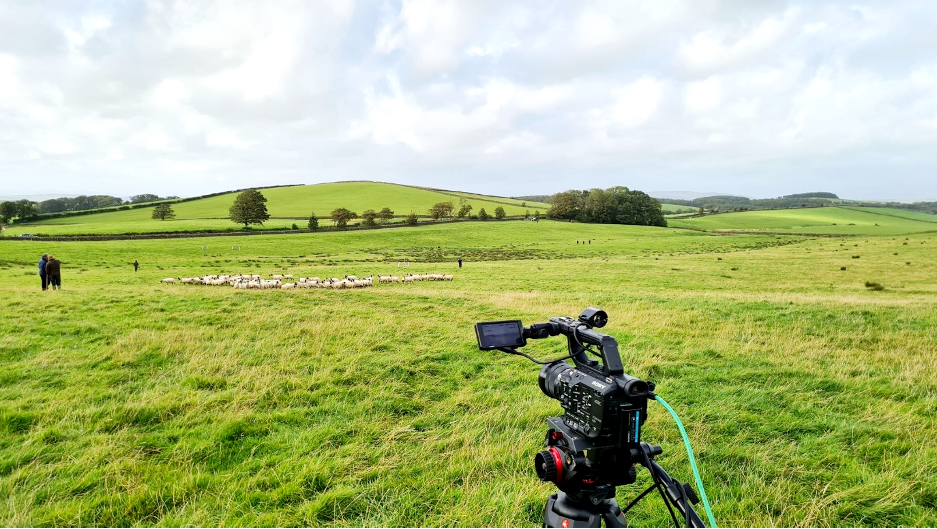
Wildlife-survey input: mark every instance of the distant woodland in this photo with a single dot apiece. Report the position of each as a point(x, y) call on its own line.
point(799, 200)
point(616, 205)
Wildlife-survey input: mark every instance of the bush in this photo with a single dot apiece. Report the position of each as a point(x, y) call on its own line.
point(874, 286)
point(412, 219)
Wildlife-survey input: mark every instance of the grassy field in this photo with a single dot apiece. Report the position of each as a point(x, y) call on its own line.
point(811, 400)
point(827, 220)
point(286, 205)
point(677, 208)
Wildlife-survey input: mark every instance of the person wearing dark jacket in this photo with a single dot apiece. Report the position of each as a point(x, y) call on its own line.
point(54, 272)
point(42, 270)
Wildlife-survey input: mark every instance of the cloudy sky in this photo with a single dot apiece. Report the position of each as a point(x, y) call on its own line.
point(758, 98)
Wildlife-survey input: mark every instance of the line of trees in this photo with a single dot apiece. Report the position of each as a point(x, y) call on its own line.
point(442, 210)
point(20, 209)
point(616, 205)
point(28, 210)
point(736, 203)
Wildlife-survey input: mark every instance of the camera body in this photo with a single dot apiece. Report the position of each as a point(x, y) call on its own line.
point(592, 447)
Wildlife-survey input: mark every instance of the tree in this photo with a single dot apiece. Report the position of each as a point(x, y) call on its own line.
point(136, 199)
point(163, 212)
point(369, 217)
point(386, 214)
point(249, 208)
point(440, 210)
point(499, 212)
point(566, 205)
point(25, 209)
point(313, 221)
point(53, 205)
point(341, 216)
point(616, 205)
point(7, 211)
point(483, 215)
point(464, 210)
point(412, 219)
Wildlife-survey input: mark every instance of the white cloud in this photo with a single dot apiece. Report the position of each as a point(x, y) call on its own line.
point(703, 96)
point(724, 49)
point(225, 138)
point(433, 33)
point(9, 81)
point(637, 102)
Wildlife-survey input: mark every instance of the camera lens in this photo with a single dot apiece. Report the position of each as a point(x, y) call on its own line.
point(549, 376)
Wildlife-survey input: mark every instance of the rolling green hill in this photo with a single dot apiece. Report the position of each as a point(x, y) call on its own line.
point(828, 220)
point(286, 205)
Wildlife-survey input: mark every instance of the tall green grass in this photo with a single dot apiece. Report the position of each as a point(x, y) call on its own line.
point(810, 400)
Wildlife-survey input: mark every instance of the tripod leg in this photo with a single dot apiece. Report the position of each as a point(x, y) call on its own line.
point(613, 516)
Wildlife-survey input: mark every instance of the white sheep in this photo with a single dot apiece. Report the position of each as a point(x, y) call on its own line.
point(169, 280)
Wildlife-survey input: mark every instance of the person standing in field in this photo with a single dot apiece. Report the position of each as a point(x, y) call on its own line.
point(135, 265)
point(460, 262)
point(54, 272)
point(42, 270)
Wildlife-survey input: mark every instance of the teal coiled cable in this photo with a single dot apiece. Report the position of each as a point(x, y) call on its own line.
point(689, 451)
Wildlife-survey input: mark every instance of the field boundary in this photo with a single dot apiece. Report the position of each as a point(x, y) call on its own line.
point(866, 210)
point(287, 231)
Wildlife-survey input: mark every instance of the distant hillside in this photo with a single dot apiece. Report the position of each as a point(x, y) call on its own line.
point(286, 205)
point(533, 198)
point(684, 195)
point(826, 220)
point(719, 203)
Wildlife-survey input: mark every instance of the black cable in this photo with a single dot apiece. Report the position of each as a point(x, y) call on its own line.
point(532, 359)
point(686, 503)
point(585, 348)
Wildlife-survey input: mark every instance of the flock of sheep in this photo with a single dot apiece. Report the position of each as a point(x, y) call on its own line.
point(254, 281)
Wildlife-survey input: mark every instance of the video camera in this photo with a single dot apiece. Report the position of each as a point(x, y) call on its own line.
point(594, 446)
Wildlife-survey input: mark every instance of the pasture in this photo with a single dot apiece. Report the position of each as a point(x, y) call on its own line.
point(823, 221)
point(286, 206)
point(810, 399)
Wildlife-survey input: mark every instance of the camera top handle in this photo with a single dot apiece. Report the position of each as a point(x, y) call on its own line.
point(579, 335)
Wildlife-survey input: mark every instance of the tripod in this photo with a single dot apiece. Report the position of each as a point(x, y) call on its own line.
point(588, 504)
